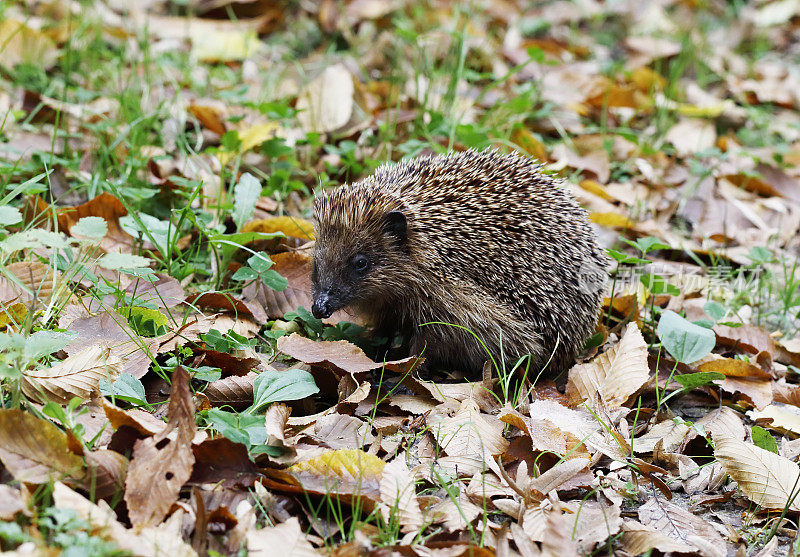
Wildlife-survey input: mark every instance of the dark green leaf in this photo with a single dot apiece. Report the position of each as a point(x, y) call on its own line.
point(273, 386)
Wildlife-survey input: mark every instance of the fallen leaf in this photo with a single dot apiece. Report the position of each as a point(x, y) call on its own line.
point(769, 480)
point(106, 472)
point(75, 376)
point(160, 465)
point(284, 539)
point(290, 226)
point(145, 542)
point(339, 354)
point(109, 208)
point(20, 43)
point(399, 495)
point(36, 451)
point(780, 417)
point(227, 302)
point(691, 136)
point(326, 103)
point(233, 391)
point(344, 473)
point(250, 136)
point(470, 433)
point(607, 381)
point(224, 462)
point(759, 393)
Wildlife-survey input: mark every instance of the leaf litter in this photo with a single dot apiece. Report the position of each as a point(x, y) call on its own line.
point(161, 371)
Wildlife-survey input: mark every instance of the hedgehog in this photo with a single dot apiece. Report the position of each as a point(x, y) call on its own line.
point(473, 257)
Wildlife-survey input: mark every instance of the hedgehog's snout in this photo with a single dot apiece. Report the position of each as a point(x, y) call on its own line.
point(324, 305)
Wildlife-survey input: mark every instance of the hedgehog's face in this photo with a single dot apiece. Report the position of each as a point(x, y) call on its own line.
point(350, 267)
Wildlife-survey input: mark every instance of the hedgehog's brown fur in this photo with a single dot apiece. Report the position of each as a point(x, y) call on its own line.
point(490, 245)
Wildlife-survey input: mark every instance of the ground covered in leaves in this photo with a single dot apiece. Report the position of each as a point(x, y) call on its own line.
point(165, 390)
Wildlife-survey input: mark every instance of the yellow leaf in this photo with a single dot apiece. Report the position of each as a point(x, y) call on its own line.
point(250, 136)
point(525, 139)
point(224, 45)
point(20, 43)
point(592, 186)
point(294, 227)
point(346, 473)
point(646, 79)
point(611, 220)
point(13, 314)
point(351, 463)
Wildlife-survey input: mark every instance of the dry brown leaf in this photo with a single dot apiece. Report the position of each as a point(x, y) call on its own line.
point(77, 375)
point(326, 103)
point(399, 496)
point(734, 368)
point(612, 377)
point(106, 472)
point(647, 48)
point(275, 420)
point(470, 433)
point(340, 431)
point(545, 436)
point(638, 539)
point(558, 475)
point(682, 526)
point(786, 393)
point(586, 153)
point(40, 279)
point(456, 514)
point(211, 113)
point(36, 451)
point(723, 421)
point(161, 465)
point(284, 539)
point(143, 422)
point(780, 417)
point(109, 208)
point(226, 302)
point(769, 480)
point(111, 329)
point(147, 542)
point(758, 392)
point(339, 355)
point(12, 503)
point(691, 136)
point(747, 337)
point(224, 462)
point(581, 424)
point(233, 391)
point(669, 433)
point(592, 522)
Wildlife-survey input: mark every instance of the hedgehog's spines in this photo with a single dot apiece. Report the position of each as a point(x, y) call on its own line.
point(492, 245)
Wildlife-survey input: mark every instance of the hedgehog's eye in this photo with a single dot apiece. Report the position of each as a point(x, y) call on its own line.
point(360, 263)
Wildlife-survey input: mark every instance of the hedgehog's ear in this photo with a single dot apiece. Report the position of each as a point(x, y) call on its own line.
point(396, 226)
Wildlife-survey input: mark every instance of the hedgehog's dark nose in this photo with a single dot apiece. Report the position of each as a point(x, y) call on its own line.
point(323, 305)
